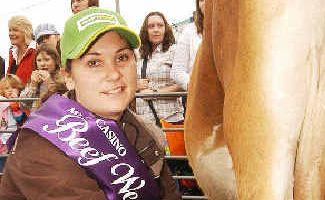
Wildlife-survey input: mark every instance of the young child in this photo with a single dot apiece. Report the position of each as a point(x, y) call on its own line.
point(10, 113)
point(45, 79)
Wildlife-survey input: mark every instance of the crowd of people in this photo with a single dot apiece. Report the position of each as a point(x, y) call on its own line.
point(95, 67)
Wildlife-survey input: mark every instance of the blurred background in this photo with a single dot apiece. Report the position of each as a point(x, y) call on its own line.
point(57, 11)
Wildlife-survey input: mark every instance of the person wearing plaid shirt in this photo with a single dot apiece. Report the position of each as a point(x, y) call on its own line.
point(157, 53)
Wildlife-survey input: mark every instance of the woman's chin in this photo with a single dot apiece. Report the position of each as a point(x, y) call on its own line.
point(111, 112)
point(112, 115)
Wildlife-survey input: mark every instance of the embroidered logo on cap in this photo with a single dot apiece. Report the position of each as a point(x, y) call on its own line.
point(94, 18)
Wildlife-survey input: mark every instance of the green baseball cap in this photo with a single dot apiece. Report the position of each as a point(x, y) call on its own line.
point(84, 27)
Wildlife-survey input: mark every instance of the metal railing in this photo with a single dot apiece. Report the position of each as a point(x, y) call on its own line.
point(18, 99)
point(176, 157)
point(138, 95)
point(160, 94)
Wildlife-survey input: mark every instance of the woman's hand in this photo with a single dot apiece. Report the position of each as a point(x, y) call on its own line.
point(142, 84)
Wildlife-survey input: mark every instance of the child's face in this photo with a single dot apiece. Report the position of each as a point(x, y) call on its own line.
point(45, 62)
point(10, 92)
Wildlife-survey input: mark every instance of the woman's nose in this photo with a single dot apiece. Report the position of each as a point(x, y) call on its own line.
point(113, 72)
point(155, 29)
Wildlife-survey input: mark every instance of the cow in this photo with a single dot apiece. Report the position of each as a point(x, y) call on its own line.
point(255, 121)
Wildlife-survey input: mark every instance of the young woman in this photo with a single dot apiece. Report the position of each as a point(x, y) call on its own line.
point(45, 78)
point(86, 144)
point(23, 49)
point(157, 53)
point(187, 46)
point(79, 5)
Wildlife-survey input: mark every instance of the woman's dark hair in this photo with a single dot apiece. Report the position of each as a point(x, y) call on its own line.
point(198, 18)
point(146, 48)
point(52, 52)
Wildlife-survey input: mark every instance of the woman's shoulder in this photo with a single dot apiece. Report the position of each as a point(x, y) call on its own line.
point(36, 147)
point(47, 171)
point(32, 153)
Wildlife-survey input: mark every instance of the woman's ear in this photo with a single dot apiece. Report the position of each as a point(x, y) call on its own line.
point(69, 83)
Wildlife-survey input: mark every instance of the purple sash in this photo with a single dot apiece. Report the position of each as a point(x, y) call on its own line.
point(96, 144)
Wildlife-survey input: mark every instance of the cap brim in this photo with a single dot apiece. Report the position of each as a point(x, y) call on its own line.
point(130, 36)
point(46, 33)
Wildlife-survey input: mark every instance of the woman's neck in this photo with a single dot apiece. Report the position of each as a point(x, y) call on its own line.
point(21, 51)
point(22, 47)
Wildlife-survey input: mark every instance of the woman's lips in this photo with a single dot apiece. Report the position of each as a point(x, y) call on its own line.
point(115, 90)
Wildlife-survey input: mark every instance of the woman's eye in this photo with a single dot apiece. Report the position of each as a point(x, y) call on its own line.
point(93, 63)
point(123, 57)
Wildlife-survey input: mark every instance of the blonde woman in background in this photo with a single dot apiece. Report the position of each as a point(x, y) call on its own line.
point(23, 49)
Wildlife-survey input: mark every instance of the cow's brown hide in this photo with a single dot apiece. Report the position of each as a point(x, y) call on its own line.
point(259, 73)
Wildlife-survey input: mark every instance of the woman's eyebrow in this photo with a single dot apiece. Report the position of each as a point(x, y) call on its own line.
point(92, 53)
point(96, 53)
point(124, 48)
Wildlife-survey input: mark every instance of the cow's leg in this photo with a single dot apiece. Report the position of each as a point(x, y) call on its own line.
point(205, 146)
point(264, 52)
point(309, 176)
